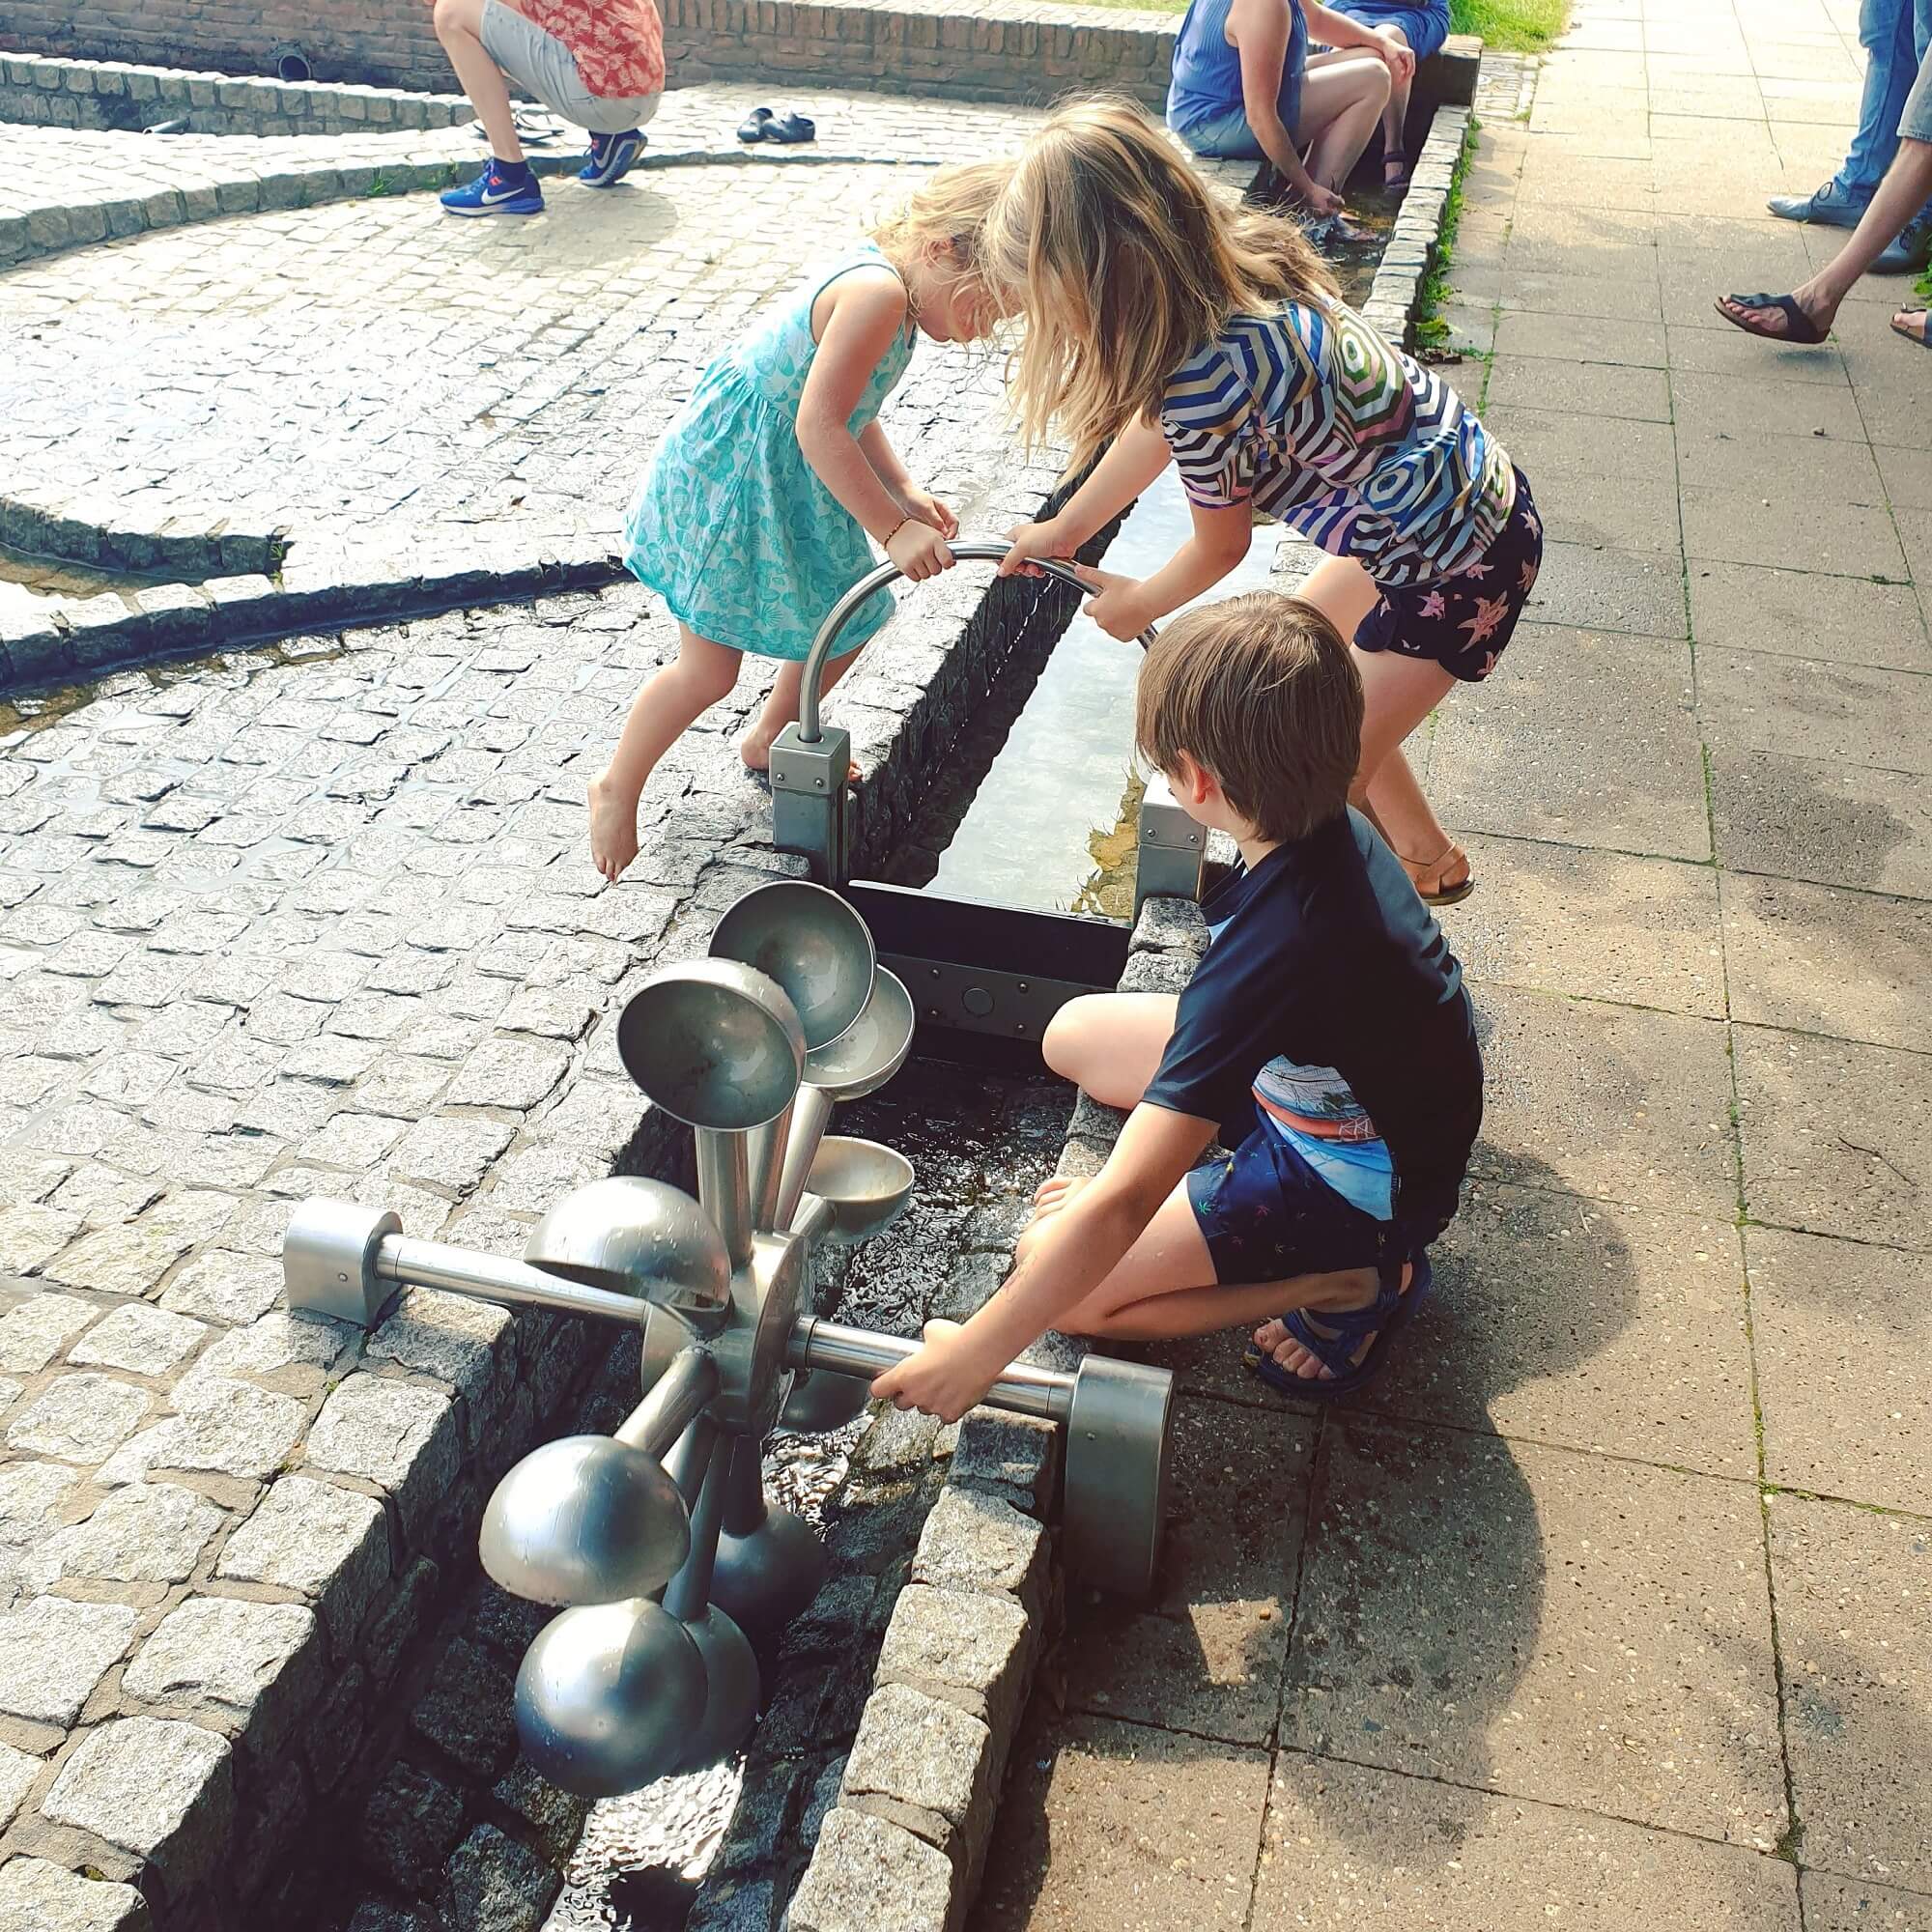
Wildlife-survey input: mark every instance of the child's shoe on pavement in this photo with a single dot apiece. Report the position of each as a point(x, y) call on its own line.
point(501, 188)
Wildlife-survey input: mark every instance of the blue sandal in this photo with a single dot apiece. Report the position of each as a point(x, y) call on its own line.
point(1384, 1318)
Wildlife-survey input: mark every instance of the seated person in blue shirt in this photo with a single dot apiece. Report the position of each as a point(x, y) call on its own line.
point(1327, 1037)
point(1421, 26)
point(1245, 87)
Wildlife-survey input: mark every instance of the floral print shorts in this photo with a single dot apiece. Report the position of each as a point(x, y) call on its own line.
point(1463, 622)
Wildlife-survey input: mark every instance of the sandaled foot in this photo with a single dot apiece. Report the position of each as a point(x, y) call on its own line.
point(1325, 1356)
point(1775, 318)
point(1444, 880)
point(1395, 167)
point(1914, 325)
point(613, 828)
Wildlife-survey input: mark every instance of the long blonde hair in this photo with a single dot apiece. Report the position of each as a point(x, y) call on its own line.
point(1123, 263)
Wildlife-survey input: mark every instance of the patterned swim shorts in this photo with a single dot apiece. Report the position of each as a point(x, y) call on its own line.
point(1463, 622)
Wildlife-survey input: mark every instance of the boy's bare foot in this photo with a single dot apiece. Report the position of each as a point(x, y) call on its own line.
point(1049, 1198)
point(756, 749)
point(1273, 1338)
point(614, 827)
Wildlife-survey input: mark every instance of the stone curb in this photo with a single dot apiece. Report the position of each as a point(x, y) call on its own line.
point(48, 642)
point(53, 91)
point(261, 183)
point(97, 533)
point(1395, 297)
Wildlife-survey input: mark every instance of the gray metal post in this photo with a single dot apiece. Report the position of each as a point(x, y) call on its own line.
point(809, 763)
point(1173, 848)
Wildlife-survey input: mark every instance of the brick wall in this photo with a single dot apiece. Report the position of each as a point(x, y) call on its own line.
point(972, 49)
point(386, 41)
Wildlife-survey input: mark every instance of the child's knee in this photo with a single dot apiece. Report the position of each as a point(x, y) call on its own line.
point(1069, 1043)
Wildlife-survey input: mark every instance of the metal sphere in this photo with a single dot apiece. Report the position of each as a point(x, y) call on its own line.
point(732, 1689)
point(609, 1697)
point(585, 1519)
point(762, 1581)
point(636, 1236)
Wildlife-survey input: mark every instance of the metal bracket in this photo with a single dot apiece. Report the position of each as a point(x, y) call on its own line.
point(973, 999)
point(329, 1260)
point(1173, 849)
point(810, 807)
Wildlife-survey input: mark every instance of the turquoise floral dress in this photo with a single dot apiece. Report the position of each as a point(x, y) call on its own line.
point(731, 525)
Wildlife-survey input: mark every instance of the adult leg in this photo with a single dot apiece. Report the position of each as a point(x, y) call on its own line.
point(781, 708)
point(1342, 101)
point(1395, 118)
point(1886, 32)
point(459, 26)
point(671, 699)
point(1900, 196)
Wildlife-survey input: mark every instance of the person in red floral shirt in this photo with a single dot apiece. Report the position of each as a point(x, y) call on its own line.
point(599, 63)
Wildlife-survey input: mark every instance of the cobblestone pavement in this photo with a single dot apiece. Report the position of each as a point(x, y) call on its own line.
point(1611, 1605)
point(317, 919)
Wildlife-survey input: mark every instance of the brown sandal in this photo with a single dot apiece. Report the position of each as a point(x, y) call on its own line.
point(1421, 870)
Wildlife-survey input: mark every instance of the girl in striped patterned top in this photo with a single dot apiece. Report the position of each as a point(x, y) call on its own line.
point(1177, 330)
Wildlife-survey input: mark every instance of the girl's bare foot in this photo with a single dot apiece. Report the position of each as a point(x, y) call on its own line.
point(614, 827)
point(756, 749)
point(1273, 1338)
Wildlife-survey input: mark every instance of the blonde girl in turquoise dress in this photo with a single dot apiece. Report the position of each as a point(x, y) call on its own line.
point(753, 518)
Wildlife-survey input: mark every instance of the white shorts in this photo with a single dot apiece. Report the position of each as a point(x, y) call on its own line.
point(540, 65)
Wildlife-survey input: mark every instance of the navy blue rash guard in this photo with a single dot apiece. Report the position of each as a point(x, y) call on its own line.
point(1329, 1002)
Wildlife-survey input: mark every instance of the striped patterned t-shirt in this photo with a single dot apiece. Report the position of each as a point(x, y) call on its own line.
point(1316, 419)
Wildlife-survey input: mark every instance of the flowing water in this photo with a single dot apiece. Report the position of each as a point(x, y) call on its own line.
point(1052, 825)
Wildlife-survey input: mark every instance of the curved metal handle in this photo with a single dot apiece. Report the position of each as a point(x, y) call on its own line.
point(973, 551)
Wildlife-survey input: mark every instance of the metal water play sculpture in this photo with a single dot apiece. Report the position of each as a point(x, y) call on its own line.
point(656, 1542)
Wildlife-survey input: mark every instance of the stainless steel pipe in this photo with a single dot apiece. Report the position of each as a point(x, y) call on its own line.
point(401, 1258)
point(841, 1350)
point(971, 550)
point(676, 1400)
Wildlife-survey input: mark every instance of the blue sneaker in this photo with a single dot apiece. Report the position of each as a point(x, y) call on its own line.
point(492, 192)
point(612, 157)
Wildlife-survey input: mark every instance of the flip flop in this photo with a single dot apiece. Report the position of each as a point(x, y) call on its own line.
point(1384, 1318)
point(1799, 327)
point(1922, 334)
point(752, 128)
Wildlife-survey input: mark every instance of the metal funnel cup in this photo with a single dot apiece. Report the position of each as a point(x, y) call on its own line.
point(871, 1049)
point(811, 943)
point(585, 1519)
point(713, 1042)
point(608, 1697)
point(859, 1061)
point(866, 1186)
point(636, 1236)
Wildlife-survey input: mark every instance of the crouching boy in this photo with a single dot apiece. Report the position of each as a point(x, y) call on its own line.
point(1325, 1037)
